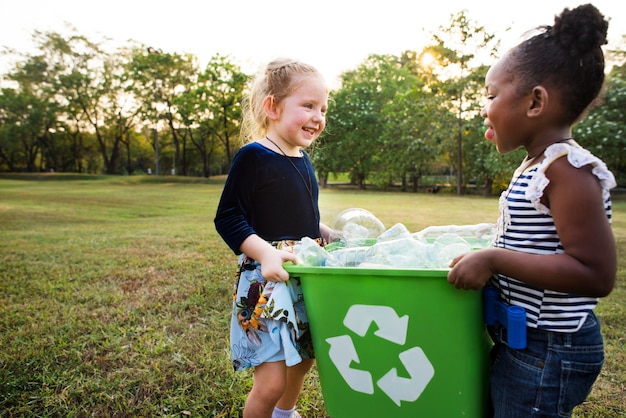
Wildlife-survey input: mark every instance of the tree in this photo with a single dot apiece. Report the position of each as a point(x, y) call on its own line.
point(160, 78)
point(415, 124)
point(603, 132)
point(28, 115)
point(23, 124)
point(85, 87)
point(100, 95)
point(353, 141)
point(455, 58)
point(221, 88)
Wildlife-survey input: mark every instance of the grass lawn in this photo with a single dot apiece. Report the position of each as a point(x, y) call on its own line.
point(115, 295)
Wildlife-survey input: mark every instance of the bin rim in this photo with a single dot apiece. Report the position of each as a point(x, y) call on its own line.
point(365, 271)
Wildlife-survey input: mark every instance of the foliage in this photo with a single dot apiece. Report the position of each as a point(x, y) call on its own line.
point(415, 127)
point(603, 132)
point(160, 79)
point(76, 105)
point(459, 78)
point(25, 122)
point(219, 95)
point(355, 122)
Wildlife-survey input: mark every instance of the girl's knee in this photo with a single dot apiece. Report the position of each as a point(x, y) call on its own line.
point(269, 381)
point(265, 395)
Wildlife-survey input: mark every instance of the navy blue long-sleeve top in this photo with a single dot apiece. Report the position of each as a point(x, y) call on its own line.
point(268, 194)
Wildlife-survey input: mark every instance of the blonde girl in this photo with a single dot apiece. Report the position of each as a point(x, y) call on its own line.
point(269, 203)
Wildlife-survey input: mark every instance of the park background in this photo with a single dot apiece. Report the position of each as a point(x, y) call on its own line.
point(115, 287)
point(407, 121)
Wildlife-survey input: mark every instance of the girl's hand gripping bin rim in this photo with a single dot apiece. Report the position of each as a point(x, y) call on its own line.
point(512, 318)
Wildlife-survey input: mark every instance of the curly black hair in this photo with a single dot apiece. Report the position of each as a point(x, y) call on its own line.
point(567, 56)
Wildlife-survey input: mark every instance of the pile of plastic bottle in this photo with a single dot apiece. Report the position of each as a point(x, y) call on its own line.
point(364, 242)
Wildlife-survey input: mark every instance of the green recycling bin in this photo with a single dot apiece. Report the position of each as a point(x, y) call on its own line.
point(396, 342)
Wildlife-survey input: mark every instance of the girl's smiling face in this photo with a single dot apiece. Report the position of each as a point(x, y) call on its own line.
point(301, 117)
point(505, 111)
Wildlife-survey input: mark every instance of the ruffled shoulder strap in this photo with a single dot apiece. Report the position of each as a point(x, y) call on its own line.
point(578, 157)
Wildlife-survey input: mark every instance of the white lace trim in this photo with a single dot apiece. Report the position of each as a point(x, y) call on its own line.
point(577, 157)
point(505, 217)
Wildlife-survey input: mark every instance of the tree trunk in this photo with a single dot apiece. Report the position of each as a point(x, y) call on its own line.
point(487, 187)
point(459, 164)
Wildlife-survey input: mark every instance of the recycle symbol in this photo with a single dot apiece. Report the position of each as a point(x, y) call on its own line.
point(392, 328)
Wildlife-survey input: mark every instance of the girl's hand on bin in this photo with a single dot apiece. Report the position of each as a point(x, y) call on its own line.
point(470, 271)
point(272, 265)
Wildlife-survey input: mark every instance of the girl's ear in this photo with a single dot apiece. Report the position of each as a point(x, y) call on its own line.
point(270, 108)
point(538, 101)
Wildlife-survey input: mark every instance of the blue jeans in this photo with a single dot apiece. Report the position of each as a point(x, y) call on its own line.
point(553, 374)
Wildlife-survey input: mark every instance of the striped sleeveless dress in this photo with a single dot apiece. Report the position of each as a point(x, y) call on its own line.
point(526, 225)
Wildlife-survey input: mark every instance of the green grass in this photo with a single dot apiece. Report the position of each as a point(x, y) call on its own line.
point(115, 295)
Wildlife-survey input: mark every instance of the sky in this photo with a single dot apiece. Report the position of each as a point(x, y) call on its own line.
point(333, 35)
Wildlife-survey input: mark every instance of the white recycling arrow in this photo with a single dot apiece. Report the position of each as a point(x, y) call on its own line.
point(390, 326)
point(343, 353)
point(408, 389)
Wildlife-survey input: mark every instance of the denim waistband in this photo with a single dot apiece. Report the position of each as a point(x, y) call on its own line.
point(498, 333)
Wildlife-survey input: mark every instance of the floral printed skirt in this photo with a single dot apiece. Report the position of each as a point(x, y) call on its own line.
point(269, 321)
